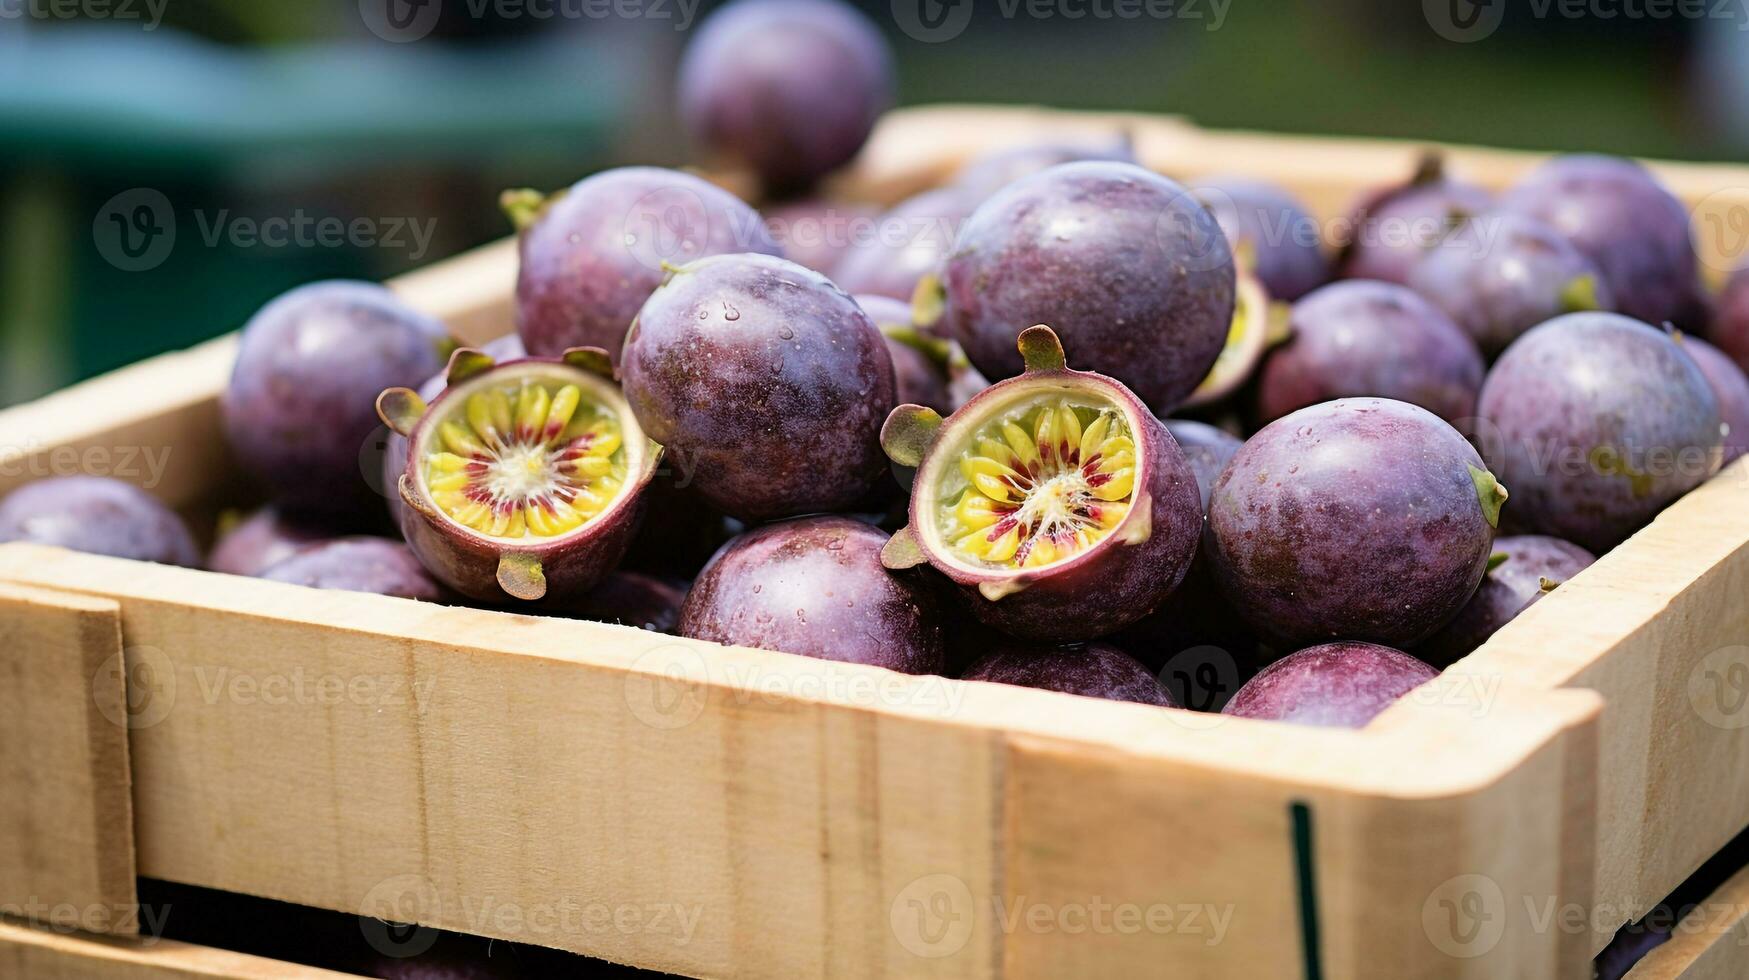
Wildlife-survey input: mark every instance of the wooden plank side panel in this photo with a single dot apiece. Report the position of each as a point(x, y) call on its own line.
point(67, 853)
point(41, 954)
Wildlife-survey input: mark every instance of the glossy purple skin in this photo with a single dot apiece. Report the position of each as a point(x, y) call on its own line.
point(791, 88)
point(1506, 591)
point(1287, 249)
point(97, 515)
point(1207, 449)
point(1096, 670)
point(818, 233)
point(1336, 685)
point(300, 409)
point(506, 348)
point(1730, 387)
point(1112, 584)
point(816, 587)
point(1501, 274)
point(1360, 338)
point(906, 244)
point(1356, 518)
point(1393, 227)
point(1595, 422)
point(597, 251)
point(918, 380)
point(1617, 213)
point(1730, 323)
point(632, 599)
point(767, 381)
point(359, 564)
point(990, 172)
point(1131, 272)
point(263, 539)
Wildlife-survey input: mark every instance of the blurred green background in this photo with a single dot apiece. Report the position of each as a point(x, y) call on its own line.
point(267, 116)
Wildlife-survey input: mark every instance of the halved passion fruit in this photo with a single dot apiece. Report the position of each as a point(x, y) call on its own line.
point(522, 478)
point(1056, 500)
point(1257, 325)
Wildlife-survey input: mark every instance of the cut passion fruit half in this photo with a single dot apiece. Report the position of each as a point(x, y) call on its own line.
point(521, 478)
point(1258, 325)
point(1056, 500)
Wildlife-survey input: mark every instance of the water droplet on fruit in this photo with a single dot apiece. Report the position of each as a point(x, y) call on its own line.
point(730, 313)
point(786, 333)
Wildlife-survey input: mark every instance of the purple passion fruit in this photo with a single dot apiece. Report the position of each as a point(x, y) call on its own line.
point(919, 362)
point(1637, 232)
point(593, 254)
point(1363, 518)
point(1126, 266)
point(815, 587)
point(791, 88)
point(1207, 449)
point(1392, 227)
point(97, 515)
point(908, 244)
point(1059, 505)
point(1337, 685)
point(631, 599)
point(1248, 340)
point(261, 540)
point(767, 384)
point(359, 565)
point(1730, 325)
point(1500, 274)
point(309, 364)
point(1280, 235)
point(1731, 388)
point(1597, 421)
point(990, 172)
point(818, 233)
point(1522, 570)
point(1359, 338)
point(522, 478)
point(1096, 670)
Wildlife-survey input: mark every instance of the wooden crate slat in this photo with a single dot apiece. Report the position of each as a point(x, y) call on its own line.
point(41, 954)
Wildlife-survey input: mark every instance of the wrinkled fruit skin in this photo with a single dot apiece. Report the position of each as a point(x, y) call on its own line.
point(1337, 685)
point(764, 381)
point(1361, 338)
point(818, 232)
point(1394, 226)
point(1730, 387)
point(789, 87)
point(990, 172)
point(506, 348)
point(1730, 325)
point(1506, 591)
point(1108, 586)
point(1596, 422)
point(1617, 213)
point(97, 515)
point(909, 242)
point(816, 587)
point(1285, 241)
point(1126, 266)
point(1501, 274)
point(918, 380)
point(359, 565)
point(1096, 670)
point(632, 599)
point(596, 252)
point(262, 540)
point(300, 408)
point(1355, 518)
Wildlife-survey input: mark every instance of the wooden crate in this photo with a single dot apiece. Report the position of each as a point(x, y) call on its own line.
point(726, 812)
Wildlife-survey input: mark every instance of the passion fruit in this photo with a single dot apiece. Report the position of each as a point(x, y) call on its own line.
point(988, 173)
point(1062, 508)
point(1096, 670)
point(1522, 570)
point(815, 586)
point(1499, 274)
point(1282, 237)
point(1359, 338)
point(1362, 518)
point(908, 244)
point(249, 546)
point(919, 361)
point(1125, 265)
point(297, 409)
point(359, 564)
point(632, 599)
point(1391, 227)
point(817, 232)
point(593, 254)
point(1730, 324)
point(1255, 327)
point(1336, 685)
point(1597, 421)
point(523, 478)
point(1731, 388)
point(766, 382)
point(98, 515)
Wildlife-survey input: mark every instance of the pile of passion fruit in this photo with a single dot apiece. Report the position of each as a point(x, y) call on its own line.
point(1083, 425)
